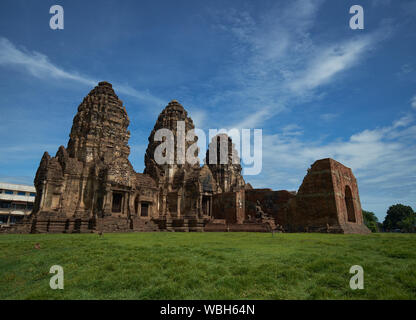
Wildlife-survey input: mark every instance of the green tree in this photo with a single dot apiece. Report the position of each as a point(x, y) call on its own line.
point(408, 224)
point(398, 216)
point(370, 220)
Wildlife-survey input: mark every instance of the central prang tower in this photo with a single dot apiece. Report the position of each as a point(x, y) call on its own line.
point(178, 194)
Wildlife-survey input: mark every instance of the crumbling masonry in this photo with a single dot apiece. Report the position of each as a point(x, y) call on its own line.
point(91, 185)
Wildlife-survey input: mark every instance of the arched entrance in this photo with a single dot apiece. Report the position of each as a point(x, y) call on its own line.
point(349, 203)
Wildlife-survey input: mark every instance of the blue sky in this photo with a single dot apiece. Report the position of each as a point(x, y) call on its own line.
point(294, 69)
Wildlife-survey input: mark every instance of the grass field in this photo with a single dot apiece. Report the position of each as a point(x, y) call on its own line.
point(208, 266)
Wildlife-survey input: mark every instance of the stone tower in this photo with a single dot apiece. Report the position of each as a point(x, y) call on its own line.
point(174, 178)
point(170, 118)
point(92, 178)
point(224, 163)
point(99, 130)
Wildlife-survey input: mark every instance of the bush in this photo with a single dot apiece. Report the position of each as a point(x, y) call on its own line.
point(371, 221)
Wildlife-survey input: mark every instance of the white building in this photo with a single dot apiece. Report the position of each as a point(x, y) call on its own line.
point(16, 202)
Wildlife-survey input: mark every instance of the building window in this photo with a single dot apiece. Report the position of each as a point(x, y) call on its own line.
point(117, 200)
point(19, 206)
point(5, 204)
point(21, 193)
point(8, 191)
point(33, 194)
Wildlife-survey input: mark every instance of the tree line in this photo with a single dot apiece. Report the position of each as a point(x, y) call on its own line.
point(399, 218)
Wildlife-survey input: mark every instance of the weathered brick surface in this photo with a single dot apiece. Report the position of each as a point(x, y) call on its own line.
point(322, 201)
point(229, 206)
point(274, 203)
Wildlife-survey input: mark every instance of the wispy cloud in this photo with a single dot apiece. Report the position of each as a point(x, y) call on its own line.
point(39, 66)
point(383, 159)
point(198, 116)
point(278, 62)
point(405, 69)
point(292, 130)
point(36, 64)
point(327, 117)
point(413, 102)
point(328, 62)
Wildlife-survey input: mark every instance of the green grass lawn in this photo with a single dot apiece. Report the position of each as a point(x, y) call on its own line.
point(208, 266)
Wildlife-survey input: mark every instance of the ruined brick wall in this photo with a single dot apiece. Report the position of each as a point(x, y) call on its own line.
point(229, 206)
point(322, 200)
point(274, 203)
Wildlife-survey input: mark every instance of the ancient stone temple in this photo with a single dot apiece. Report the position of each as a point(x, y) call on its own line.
point(91, 186)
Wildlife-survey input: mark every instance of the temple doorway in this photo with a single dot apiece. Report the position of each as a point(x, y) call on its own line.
point(117, 200)
point(206, 205)
point(144, 210)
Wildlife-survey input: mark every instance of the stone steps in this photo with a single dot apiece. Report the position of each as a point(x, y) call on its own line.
point(190, 224)
point(244, 227)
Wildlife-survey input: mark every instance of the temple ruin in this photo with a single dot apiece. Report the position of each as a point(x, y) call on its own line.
point(91, 186)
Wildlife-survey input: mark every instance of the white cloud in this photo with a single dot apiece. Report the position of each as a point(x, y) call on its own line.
point(383, 160)
point(328, 62)
point(39, 66)
point(198, 117)
point(254, 120)
point(36, 64)
point(403, 121)
point(279, 63)
point(327, 117)
point(405, 69)
point(266, 48)
point(292, 129)
point(413, 102)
